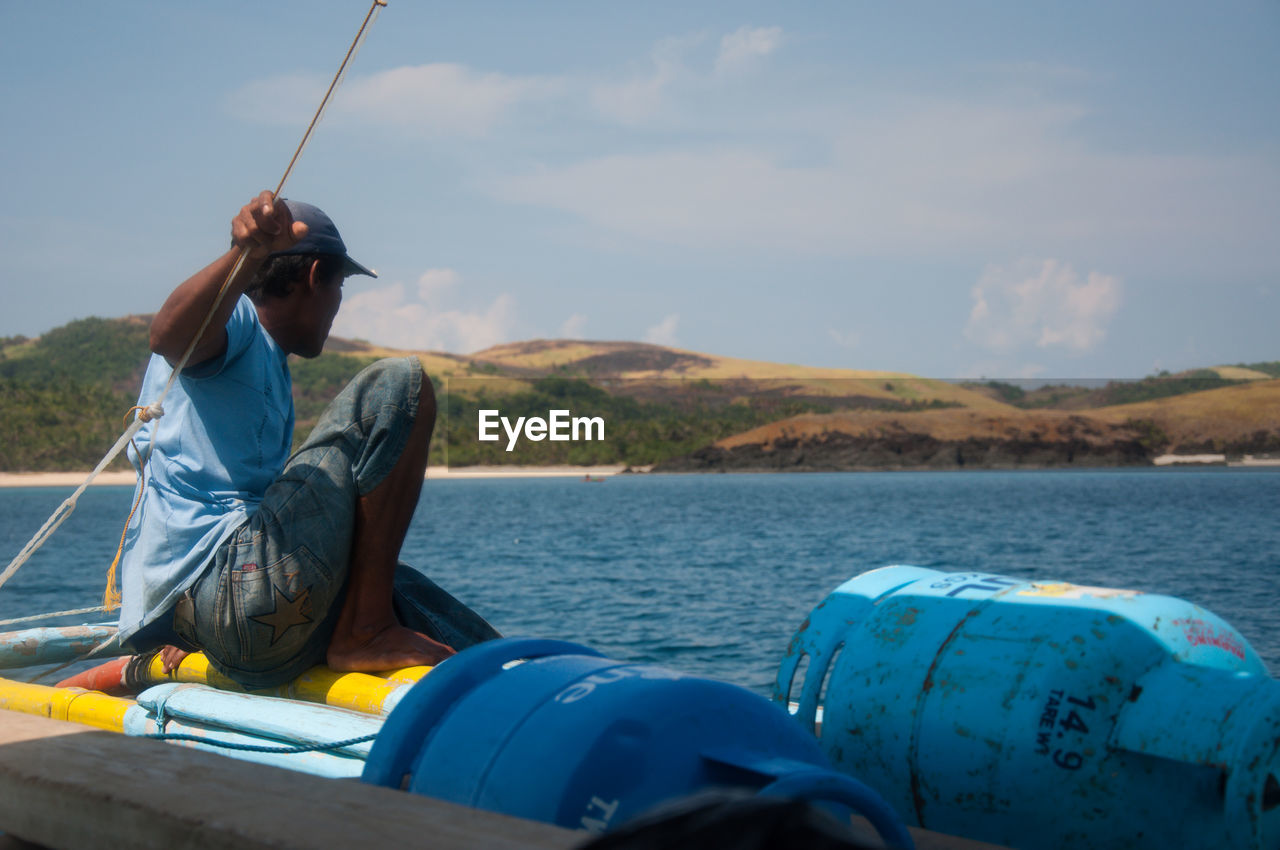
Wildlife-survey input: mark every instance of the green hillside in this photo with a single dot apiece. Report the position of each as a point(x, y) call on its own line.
point(64, 396)
point(1091, 395)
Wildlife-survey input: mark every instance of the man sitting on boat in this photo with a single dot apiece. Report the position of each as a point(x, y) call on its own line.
point(268, 563)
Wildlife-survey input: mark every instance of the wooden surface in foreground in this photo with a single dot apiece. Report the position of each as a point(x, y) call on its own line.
point(68, 786)
point(63, 785)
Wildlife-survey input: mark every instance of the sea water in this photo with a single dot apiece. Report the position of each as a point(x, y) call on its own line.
point(711, 574)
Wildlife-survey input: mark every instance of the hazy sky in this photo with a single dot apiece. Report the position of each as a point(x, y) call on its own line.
point(1067, 190)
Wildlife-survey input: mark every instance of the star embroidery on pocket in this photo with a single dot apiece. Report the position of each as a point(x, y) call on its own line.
point(287, 612)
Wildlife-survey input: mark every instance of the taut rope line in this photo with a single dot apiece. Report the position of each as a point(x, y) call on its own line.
point(155, 410)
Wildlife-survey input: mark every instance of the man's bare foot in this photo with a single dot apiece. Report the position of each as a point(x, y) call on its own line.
point(391, 648)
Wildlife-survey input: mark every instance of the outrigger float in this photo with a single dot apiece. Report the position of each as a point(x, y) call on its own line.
point(196, 706)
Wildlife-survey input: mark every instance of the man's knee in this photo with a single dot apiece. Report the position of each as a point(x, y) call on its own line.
point(393, 379)
point(404, 378)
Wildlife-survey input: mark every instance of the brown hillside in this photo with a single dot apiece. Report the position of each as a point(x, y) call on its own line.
point(943, 425)
point(933, 439)
point(646, 365)
point(1238, 419)
point(1232, 420)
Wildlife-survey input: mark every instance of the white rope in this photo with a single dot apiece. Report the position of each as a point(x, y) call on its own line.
point(64, 510)
point(96, 609)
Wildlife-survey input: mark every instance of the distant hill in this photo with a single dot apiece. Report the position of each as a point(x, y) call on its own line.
point(63, 397)
point(645, 370)
point(1234, 420)
point(1090, 395)
point(660, 402)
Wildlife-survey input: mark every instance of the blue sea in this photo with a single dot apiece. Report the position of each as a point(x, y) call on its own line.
point(711, 574)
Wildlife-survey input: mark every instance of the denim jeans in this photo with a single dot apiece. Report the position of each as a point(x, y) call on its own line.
point(266, 608)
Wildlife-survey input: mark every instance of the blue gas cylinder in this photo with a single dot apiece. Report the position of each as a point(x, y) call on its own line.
point(552, 731)
point(1042, 714)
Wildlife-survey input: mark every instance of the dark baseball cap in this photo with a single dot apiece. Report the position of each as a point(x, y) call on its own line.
point(322, 237)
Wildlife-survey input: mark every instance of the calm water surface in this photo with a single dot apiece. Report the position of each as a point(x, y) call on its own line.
point(711, 574)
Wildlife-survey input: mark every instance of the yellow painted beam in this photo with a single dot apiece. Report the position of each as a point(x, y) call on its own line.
point(77, 705)
point(356, 691)
point(406, 675)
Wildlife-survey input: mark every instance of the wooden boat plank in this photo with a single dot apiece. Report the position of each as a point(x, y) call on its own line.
point(66, 786)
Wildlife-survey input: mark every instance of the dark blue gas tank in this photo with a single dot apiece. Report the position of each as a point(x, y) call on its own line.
point(552, 731)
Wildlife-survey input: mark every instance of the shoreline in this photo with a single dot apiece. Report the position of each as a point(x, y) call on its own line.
point(1214, 460)
point(127, 478)
point(462, 473)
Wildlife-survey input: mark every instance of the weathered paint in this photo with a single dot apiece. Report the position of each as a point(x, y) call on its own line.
point(1045, 715)
point(51, 645)
point(406, 675)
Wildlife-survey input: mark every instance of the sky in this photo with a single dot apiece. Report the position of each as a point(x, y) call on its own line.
point(1081, 190)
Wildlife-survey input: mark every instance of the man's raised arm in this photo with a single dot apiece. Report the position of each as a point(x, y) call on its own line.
point(263, 227)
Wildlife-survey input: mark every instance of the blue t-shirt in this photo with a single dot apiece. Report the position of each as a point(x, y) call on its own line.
point(224, 438)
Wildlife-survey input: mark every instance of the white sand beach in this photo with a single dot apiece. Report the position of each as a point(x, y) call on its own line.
point(444, 472)
point(61, 479)
point(1216, 460)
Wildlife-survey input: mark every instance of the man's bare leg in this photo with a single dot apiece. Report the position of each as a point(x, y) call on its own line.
point(368, 636)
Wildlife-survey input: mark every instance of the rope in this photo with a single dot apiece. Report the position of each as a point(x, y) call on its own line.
point(259, 748)
point(97, 609)
point(155, 410)
point(64, 510)
point(111, 597)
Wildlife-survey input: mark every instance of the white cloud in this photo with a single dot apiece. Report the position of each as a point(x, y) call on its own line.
point(435, 282)
point(663, 333)
point(643, 95)
point(744, 46)
point(573, 327)
point(284, 99)
point(925, 178)
point(672, 73)
point(1007, 173)
point(1045, 304)
point(479, 330)
point(438, 99)
point(844, 339)
point(399, 317)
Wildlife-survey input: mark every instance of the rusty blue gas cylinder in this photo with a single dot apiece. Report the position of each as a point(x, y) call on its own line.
point(1042, 714)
